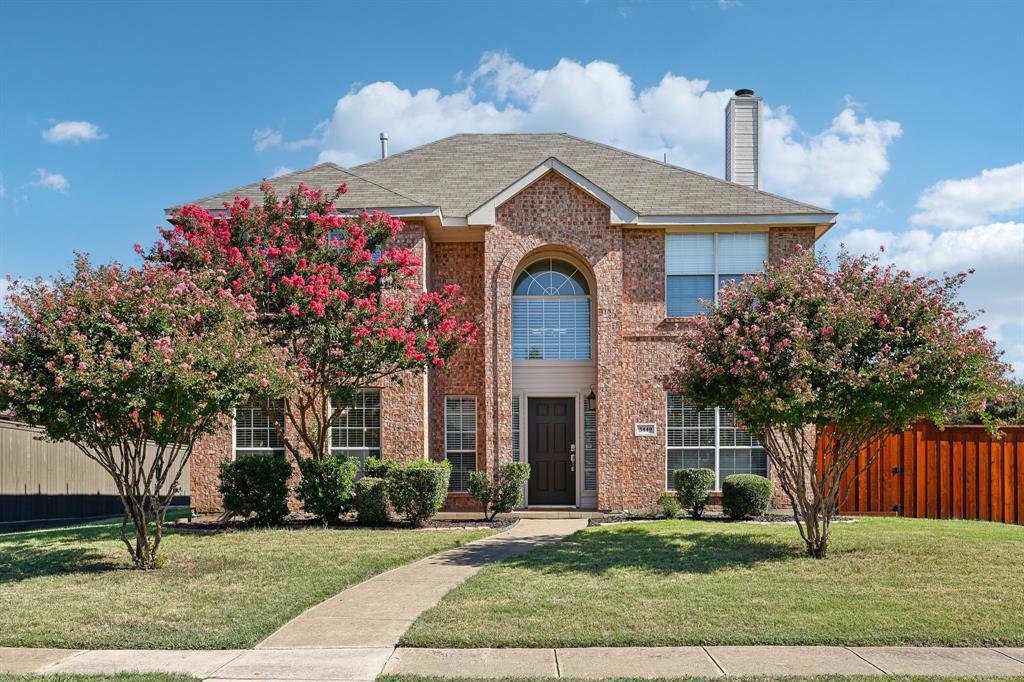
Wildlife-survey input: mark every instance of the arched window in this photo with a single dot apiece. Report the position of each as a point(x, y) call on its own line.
point(551, 312)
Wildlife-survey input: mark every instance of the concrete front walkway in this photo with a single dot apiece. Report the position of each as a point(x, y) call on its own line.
point(363, 664)
point(376, 613)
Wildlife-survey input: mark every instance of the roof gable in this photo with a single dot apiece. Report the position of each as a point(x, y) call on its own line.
point(619, 213)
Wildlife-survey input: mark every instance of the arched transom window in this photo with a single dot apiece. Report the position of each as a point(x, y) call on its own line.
point(551, 312)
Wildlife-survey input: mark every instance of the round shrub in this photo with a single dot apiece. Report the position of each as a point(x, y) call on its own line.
point(370, 500)
point(375, 467)
point(746, 495)
point(669, 506)
point(502, 495)
point(326, 487)
point(693, 487)
point(418, 489)
point(256, 486)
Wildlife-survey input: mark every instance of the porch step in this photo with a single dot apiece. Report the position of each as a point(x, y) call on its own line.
point(524, 514)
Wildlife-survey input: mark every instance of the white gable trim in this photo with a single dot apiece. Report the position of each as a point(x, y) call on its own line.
point(620, 214)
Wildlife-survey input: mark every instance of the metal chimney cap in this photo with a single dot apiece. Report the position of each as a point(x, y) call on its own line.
point(383, 136)
point(744, 92)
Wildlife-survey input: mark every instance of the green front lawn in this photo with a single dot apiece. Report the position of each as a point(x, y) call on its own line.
point(73, 588)
point(886, 581)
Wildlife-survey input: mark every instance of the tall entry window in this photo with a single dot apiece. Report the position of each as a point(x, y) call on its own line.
point(551, 313)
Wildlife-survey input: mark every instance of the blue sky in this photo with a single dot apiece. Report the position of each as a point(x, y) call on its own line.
point(904, 116)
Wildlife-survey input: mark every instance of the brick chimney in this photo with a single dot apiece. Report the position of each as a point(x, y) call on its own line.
point(743, 139)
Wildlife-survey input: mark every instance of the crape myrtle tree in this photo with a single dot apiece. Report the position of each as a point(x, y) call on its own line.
point(338, 299)
point(131, 366)
point(814, 360)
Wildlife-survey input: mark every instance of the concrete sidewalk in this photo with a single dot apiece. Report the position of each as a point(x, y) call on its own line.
point(376, 613)
point(363, 664)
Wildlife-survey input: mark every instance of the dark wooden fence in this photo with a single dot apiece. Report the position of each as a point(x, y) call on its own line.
point(959, 472)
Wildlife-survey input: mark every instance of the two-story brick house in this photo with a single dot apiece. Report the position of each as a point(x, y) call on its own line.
point(581, 263)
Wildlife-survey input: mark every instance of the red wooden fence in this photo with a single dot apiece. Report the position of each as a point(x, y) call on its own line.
point(959, 472)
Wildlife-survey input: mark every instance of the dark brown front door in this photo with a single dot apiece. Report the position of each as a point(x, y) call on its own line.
point(552, 443)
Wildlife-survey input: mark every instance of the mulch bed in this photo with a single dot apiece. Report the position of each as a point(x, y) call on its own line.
point(214, 524)
point(714, 515)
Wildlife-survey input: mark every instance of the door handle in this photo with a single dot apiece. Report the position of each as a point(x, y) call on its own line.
point(572, 461)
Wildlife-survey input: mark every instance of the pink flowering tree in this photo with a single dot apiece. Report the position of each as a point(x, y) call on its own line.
point(131, 366)
point(825, 362)
point(338, 298)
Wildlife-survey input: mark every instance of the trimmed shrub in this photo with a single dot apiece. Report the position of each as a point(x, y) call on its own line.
point(502, 495)
point(669, 506)
point(746, 495)
point(693, 487)
point(326, 487)
point(370, 500)
point(418, 489)
point(256, 486)
point(380, 468)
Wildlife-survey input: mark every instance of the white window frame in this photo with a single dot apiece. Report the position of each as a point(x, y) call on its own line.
point(476, 435)
point(716, 274)
point(717, 447)
point(234, 438)
point(360, 452)
point(588, 297)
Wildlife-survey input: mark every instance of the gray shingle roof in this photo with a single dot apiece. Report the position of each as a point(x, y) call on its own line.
point(362, 193)
point(462, 172)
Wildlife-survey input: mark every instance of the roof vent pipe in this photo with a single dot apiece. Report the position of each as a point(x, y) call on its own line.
point(383, 145)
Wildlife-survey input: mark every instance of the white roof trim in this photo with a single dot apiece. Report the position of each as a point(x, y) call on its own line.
point(485, 214)
point(737, 219)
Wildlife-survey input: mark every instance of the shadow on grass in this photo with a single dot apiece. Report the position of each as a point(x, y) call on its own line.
point(55, 552)
point(633, 547)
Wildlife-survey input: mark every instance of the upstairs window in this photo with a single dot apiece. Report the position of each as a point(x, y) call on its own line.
point(698, 264)
point(551, 313)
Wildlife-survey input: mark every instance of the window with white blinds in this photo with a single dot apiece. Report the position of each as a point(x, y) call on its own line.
point(255, 433)
point(589, 448)
point(709, 439)
point(355, 430)
point(516, 424)
point(551, 313)
point(698, 264)
point(460, 439)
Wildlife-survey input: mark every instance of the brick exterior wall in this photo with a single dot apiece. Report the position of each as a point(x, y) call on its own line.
point(634, 344)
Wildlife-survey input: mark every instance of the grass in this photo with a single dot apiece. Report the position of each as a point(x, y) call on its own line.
point(886, 582)
point(73, 588)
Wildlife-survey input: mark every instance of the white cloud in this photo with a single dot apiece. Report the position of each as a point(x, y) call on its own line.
point(958, 203)
point(3, 190)
point(994, 250)
point(282, 170)
point(48, 180)
point(264, 138)
point(73, 131)
point(679, 116)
